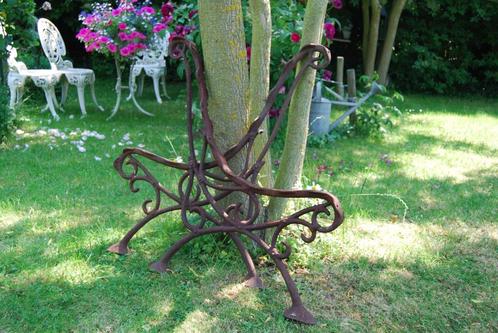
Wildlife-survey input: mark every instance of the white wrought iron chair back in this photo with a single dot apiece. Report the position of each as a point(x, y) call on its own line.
point(14, 65)
point(53, 44)
point(156, 53)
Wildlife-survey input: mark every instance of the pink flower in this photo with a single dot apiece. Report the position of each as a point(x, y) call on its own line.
point(329, 30)
point(117, 11)
point(103, 39)
point(295, 37)
point(281, 90)
point(327, 75)
point(82, 33)
point(125, 51)
point(159, 27)
point(337, 4)
point(122, 26)
point(112, 48)
point(146, 10)
point(192, 13)
point(140, 46)
point(123, 36)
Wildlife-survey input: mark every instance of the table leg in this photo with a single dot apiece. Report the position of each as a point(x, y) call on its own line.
point(155, 79)
point(118, 89)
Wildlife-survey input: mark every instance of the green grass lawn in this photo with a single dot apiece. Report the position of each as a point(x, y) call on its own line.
point(434, 270)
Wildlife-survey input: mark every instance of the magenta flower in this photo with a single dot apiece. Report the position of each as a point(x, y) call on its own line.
point(159, 27)
point(123, 36)
point(125, 51)
point(167, 9)
point(146, 10)
point(192, 13)
point(329, 30)
point(295, 37)
point(122, 26)
point(117, 11)
point(327, 75)
point(112, 48)
point(248, 52)
point(337, 4)
point(103, 39)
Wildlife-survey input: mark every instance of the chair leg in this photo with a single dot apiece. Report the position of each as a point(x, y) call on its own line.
point(141, 84)
point(122, 246)
point(163, 83)
point(252, 279)
point(81, 99)
point(94, 98)
point(65, 88)
point(54, 99)
point(50, 102)
point(297, 311)
point(13, 96)
point(155, 79)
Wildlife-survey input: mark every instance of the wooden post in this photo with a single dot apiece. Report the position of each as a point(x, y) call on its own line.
point(340, 76)
point(351, 77)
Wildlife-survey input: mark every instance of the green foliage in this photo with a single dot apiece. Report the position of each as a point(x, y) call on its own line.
point(19, 22)
point(6, 115)
point(448, 47)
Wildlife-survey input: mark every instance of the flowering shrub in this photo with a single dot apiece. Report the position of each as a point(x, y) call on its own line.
point(125, 30)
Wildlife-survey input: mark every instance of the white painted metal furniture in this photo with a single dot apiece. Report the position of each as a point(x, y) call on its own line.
point(55, 49)
point(151, 62)
point(45, 79)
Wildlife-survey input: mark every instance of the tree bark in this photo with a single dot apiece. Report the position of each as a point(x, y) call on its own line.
point(259, 82)
point(225, 60)
point(365, 9)
point(373, 37)
point(291, 166)
point(387, 49)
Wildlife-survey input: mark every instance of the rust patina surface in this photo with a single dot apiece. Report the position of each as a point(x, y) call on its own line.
point(207, 179)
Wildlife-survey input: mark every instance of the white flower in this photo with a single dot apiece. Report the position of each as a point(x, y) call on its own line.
point(129, 142)
point(179, 159)
point(140, 145)
point(26, 146)
point(126, 137)
point(99, 136)
point(71, 116)
point(97, 158)
point(314, 187)
point(81, 149)
point(19, 132)
point(42, 132)
point(113, 146)
point(17, 147)
point(107, 155)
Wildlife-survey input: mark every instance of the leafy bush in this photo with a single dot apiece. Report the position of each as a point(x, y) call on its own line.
point(458, 53)
point(6, 115)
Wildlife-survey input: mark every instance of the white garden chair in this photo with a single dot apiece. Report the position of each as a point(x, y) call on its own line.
point(151, 62)
point(55, 49)
point(45, 79)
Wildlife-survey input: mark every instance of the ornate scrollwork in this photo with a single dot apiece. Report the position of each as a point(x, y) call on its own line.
point(204, 185)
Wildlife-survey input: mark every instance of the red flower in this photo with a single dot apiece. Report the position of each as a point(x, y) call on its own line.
point(295, 37)
point(248, 52)
point(167, 9)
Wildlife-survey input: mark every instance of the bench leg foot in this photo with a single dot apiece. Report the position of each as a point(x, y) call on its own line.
point(253, 282)
point(119, 248)
point(301, 314)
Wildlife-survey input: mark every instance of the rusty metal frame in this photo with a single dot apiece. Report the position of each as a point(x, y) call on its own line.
point(205, 183)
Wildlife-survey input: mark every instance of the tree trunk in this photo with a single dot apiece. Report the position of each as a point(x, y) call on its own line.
point(365, 9)
point(224, 53)
point(373, 37)
point(387, 49)
point(259, 82)
point(291, 165)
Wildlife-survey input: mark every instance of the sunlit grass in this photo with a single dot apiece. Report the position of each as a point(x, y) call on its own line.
point(434, 269)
